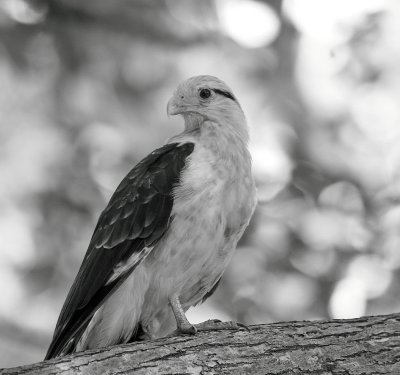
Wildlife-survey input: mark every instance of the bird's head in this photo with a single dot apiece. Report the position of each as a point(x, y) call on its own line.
point(206, 98)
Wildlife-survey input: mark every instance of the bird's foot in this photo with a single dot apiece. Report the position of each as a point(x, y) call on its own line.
point(187, 329)
point(216, 324)
point(208, 325)
point(184, 329)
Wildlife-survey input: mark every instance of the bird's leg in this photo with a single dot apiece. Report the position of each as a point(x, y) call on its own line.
point(185, 327)
point(182, 323)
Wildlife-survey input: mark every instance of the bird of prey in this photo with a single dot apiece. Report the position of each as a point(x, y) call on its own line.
point(168, 233)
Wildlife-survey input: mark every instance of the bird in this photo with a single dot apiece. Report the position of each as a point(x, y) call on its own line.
point(168, 232)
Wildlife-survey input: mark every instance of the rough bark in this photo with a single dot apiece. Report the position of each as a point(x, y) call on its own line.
point(369, 345)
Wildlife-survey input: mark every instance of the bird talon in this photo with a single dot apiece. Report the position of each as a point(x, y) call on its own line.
point(185, 330)
point(244, 326)
point(216, 324)
point(213, 321)
point(188, 330)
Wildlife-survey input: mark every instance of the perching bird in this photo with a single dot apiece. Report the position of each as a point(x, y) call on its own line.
point(169, 230)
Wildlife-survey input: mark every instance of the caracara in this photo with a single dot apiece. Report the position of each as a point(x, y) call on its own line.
point(169, 230)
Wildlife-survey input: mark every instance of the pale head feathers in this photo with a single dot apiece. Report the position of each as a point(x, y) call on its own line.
point(206, 99)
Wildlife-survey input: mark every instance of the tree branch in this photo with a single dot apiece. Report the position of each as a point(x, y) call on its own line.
point(369, 345)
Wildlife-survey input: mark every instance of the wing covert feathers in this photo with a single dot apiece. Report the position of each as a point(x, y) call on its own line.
point(134, 220)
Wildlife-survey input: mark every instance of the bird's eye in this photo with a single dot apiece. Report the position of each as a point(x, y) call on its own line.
point(205, 93)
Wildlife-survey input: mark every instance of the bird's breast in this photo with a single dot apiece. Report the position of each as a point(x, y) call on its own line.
point(213, 204)
point(220, 181)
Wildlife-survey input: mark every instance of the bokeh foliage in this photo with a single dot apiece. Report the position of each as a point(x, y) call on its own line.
point(84, 87)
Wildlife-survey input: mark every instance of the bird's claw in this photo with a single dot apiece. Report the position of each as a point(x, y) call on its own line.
point(215, 324)
point(184, 330)
point(208, 325)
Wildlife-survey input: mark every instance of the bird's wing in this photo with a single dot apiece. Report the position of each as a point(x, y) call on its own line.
point(134, 220)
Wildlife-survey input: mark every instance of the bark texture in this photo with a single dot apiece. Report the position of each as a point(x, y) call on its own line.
point(369, 345)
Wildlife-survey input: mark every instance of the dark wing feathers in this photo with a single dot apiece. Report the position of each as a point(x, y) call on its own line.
point(137, 216)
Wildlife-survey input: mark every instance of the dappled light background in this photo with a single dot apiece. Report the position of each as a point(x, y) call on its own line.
point(84, 88)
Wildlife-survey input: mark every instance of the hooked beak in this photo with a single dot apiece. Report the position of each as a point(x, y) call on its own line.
point(176, 106)
point(172, 107)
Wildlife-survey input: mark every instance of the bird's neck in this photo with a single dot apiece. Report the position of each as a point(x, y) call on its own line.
point(225, 139)
point(193, 122)
point(219, 128)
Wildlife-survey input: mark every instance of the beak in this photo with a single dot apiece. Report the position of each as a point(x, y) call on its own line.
point(177, 106)
point(173, 107)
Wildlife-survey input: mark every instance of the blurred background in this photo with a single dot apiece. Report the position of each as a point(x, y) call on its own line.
point(84, 88)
